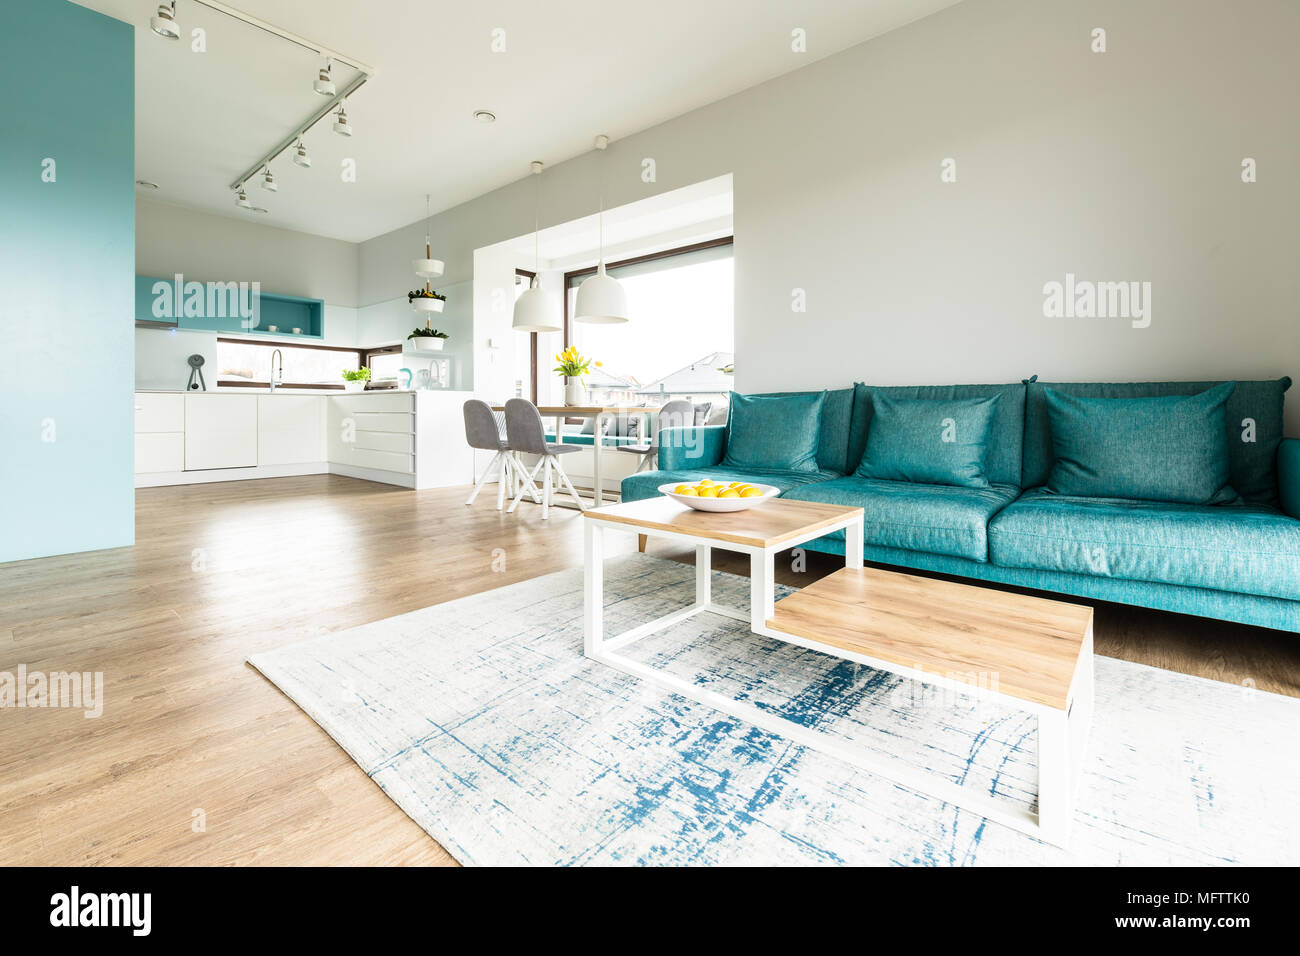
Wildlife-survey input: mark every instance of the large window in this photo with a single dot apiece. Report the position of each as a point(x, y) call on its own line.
point(241, 362)
point(680, 340)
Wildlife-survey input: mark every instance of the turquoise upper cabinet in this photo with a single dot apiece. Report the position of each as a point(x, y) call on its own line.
point(67, 268)
point(227, 307)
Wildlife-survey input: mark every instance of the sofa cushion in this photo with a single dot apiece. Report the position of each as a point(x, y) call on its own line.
point(1165, 448)
point(935, 441)
point(646, 484)
point(774, 431)
point(1253, 425)
point(1250, 549)
point(837, 419)
point(939, 519)
point(1006, 437)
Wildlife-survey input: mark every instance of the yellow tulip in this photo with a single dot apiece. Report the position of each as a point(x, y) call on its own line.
point(600, 365)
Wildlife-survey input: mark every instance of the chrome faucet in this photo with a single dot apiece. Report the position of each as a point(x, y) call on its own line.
point(274, 383)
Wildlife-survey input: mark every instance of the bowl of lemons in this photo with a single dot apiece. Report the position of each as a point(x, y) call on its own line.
point(709, 495)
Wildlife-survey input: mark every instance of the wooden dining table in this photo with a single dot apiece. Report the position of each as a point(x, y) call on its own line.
point(598, 414)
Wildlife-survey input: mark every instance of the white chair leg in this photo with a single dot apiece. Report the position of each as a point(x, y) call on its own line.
point(522, 475)
point(525, 482)
point(483, 479)
point(564, 478)
point(503, 475)
point(546, 488)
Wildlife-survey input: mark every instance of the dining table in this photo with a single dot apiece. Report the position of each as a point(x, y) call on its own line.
point(598, 414)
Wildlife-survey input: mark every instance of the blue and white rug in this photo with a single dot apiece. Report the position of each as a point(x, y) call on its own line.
point(484, 722)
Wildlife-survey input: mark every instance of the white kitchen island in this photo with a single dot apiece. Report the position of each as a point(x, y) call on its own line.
point(415, 439)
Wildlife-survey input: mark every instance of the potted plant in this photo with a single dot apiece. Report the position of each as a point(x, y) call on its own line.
point(426, 300)
point(427, 339)
point(355, 381)
point(573, 366)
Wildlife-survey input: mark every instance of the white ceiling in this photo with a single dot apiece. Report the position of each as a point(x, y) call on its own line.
point(572, 68)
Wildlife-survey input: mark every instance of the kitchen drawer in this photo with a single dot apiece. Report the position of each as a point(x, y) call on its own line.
point(375, 402)
point(381, 421)
point(159, 451)
point(220, 431)
point(400, 442)
point(385, 460)
point(159, 412)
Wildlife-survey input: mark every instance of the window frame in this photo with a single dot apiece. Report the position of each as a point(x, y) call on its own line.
point(359, 353)
point(636, 260)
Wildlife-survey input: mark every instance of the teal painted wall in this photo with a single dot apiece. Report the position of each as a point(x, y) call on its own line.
point(67, 280)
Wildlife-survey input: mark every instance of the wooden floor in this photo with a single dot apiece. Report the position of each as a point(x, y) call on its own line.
point(222, 571)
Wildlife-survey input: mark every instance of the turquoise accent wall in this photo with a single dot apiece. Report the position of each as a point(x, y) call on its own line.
point(67, 275)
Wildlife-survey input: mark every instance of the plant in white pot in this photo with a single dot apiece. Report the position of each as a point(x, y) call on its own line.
point(573, 366)
point(355, 380)
point(426, 300)
point(427, 339)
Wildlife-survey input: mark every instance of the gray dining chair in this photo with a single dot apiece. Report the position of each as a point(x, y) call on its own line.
point(675, 414)
point(525, 435)
point(486, 430)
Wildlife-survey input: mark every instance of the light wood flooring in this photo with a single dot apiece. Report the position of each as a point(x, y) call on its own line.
point(222, 571)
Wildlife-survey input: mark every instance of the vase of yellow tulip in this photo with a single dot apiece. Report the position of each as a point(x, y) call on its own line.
point(573, 366)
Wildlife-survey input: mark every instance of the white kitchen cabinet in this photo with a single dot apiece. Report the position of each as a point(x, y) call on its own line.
point(159, 451)
point(374, 432)
point(159, 412)
point(220, 431)
point(290, 429)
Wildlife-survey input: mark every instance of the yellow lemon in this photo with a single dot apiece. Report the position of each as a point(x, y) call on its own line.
point(707, 493)
point(704, 483)
point(736, 484)
point(683, 490)
point(750, 493)
point(729, 493)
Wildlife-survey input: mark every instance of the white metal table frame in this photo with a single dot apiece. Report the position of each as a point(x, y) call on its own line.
point(1062, 733)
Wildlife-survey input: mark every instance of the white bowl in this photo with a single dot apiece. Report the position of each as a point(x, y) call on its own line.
point(719, 504)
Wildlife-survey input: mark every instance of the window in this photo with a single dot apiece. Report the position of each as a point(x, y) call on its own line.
point(241, 362)
point(525, 378)
point(682, 330)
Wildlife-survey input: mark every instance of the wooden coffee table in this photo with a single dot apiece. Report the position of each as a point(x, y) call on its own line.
point(1033, 653)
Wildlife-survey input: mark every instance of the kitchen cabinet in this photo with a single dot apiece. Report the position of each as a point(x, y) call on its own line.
point(290, 429)
point(159, 432)
point(220, 431)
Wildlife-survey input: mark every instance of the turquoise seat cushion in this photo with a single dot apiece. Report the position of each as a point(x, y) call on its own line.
point(646, 484)
point(1252, 425)
point(938, 441)
point(780, 432)
point(1246, 548)
point(1003, 463)
point(1164, 448)
point(938, 519)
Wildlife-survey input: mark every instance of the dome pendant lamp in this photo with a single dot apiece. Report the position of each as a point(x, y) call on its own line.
point(531, 311)
point(600, 298)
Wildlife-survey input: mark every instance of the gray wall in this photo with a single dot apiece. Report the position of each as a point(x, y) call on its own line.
point(171, 239)
point(1115, 166)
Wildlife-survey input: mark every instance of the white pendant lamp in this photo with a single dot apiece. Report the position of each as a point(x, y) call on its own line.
point(532, 312)
point(601, 300)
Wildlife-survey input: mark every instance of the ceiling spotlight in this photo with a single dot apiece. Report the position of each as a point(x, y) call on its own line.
point(341, 124)
point(300, 157)
point(485, 116)
point(241, 199)
point(164, 24)
point(268, 181)
point(146, 184)
point(324, 85)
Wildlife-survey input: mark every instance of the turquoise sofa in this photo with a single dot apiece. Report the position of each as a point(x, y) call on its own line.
point(1237, 562)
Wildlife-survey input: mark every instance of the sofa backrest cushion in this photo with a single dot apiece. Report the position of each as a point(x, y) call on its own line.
point(1252, 465)
point(779, 432)
point(1167, 448)
point(1002, 463)
point(837, 417)
point(929, 441)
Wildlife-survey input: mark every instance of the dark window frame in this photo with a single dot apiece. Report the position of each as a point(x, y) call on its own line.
point(635, 260)
point(359, 353)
